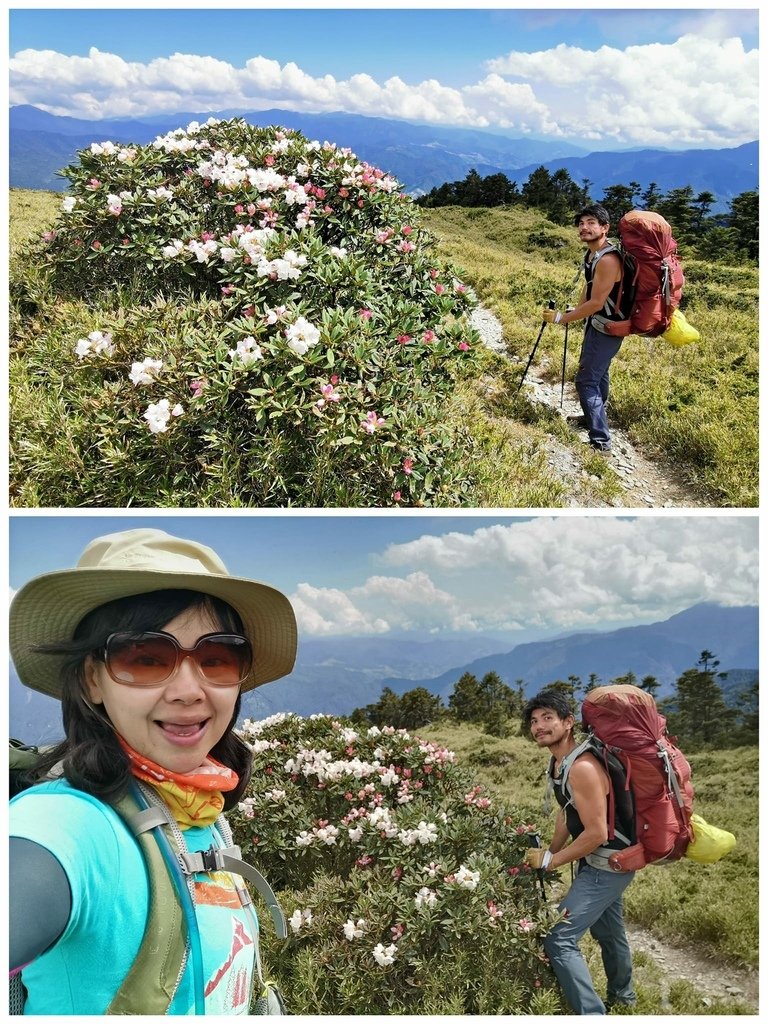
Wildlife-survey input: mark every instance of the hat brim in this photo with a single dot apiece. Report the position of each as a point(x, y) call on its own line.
point(49, 608)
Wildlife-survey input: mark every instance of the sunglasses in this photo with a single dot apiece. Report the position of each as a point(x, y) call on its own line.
point(145, 659)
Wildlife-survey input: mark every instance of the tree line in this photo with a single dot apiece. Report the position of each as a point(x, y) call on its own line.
point(733, 235)
point(697, 712)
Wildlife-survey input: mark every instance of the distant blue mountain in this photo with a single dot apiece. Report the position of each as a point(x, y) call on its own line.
point(335, 675)
point(724, 172)
point(662, 649)
point(420, 156)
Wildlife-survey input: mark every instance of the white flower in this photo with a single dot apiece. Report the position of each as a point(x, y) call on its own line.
point(160, 194)
point(173, 249)
point(355, 834)
point(275, 795)
point(125, 156)
point(425, 898)
point(247, 352)
point(467, 879)
point(300, 919)
point(339, 251)
point(103, 148)
point(68, 204)
point(145, 371)
point(302, 335)
point(273, 315)
point(304, 839)
point(384, 955)
point(389, 777)
point(177, 410)
point(157, 416)
point(114, 205)
point(354, 930)
point(95, 344)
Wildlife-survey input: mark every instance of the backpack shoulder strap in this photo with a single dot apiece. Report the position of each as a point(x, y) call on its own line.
point(152, 981)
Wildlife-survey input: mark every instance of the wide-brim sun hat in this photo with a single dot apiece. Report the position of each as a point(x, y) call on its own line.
point(49, 607)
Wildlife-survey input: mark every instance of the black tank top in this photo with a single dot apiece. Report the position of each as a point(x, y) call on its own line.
point(625, 817)
point(609, 310)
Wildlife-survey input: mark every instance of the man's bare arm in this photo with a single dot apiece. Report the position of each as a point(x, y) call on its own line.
point(604, 279)
point(589, 788)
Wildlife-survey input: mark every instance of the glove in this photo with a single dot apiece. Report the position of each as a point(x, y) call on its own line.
point(550, 316)
point(537, 858)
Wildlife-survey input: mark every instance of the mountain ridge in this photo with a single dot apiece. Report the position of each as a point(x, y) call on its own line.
point(420, 156)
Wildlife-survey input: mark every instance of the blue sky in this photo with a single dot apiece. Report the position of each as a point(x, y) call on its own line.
point(545, 72)
point(447, 575)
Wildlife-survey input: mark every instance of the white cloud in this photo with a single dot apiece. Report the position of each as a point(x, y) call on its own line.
point(700, 90)
point(552, 574)
point(571, 572)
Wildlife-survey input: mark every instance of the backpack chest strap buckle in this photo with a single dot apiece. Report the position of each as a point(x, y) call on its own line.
point(213, 859)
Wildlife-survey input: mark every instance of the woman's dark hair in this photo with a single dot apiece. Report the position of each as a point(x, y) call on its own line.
point(91, 756)
point(552, 700)
point(598, 212)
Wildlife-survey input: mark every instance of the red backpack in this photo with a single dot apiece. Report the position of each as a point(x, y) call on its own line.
point(652, 280)
point(625, 719)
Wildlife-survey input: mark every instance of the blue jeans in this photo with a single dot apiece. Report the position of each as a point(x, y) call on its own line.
point(594, 901)
point(597, 351)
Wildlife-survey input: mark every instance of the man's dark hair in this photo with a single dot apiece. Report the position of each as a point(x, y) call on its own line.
point(598, 212)
point(552, 700)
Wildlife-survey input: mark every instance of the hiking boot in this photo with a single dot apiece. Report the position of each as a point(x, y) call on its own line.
point(600, 449)
point(577, 422)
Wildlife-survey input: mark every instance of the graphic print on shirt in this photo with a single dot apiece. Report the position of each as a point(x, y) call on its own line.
point(229, 988)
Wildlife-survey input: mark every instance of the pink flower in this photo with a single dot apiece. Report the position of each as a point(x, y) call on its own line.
point(49, 236)
point(197, 386)
point(460, 288)
point(334, 379)
point(364, 861)
point(397, 496)
point(513, 871)
point(227, 289)
point(93, 184)
point(269, 160)
point(383, 236)
point(343, 192)
point(361, 204)
point(397, 874)
point(207, 236)
point(365, 314)
point(439, 289)
point(397, 931)
point(434, 273)
point(403, 339)
point(525, 925)
point(407, 229)
point(372, 421)
point(328, 393)
point(429, 336)
point(463, 346)
point(406, 247)
point(96, 245)
point(251, 209)
point(407, 466)
point(239, 208)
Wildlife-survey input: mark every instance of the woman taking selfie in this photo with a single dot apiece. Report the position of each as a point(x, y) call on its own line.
point(149, 644)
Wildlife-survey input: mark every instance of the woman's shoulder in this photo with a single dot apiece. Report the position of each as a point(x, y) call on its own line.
point(48, 807)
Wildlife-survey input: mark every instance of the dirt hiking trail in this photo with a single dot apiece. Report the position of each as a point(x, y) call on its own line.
point(645, 482)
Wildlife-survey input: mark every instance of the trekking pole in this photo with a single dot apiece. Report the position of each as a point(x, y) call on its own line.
point(551, 305)
point(534, 840)
point(562, 380)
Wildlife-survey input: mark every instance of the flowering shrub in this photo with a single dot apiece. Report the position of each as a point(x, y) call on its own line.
point(266, 323)
point(403, 885)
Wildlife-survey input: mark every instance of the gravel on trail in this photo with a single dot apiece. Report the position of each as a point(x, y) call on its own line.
point(646, 482)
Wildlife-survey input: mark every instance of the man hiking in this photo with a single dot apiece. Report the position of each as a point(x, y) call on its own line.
point(602, 270)
point(595, 898)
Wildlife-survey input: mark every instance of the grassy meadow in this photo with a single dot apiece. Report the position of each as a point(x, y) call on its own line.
point(712, 908)
point(695, 407)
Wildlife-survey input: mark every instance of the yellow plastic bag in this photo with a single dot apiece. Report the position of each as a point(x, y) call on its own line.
point(710, 844)
point(680, 332)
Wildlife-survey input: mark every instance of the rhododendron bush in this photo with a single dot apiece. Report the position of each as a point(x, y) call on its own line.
point(401, 880)
point(235, 315)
